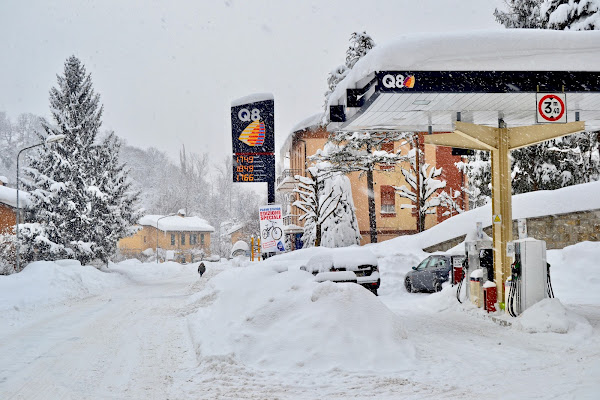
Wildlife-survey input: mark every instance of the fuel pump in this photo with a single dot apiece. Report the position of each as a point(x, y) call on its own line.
point(529, 280)
point(479, 254)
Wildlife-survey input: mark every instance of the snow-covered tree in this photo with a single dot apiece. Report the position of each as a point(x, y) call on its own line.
point(360, 44)
point(81, 203)
point(520, 14)
point(421, 190)
point(478, 168)
point(576, 15)
point(316, 204)
point(348, 152)
point(15, 136)
point(341, 229)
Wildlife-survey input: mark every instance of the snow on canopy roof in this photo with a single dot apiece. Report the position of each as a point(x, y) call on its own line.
point(177, 223)
point(4, 179)
point(312, 122)
point(252, 98)
point(497, 50)
point(8, 196)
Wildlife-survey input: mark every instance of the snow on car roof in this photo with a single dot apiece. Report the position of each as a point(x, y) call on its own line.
point(347, 257)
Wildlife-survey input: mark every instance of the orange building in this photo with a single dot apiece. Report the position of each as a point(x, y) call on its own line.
point(8, 206)
point(178, 238)
point(392, 220)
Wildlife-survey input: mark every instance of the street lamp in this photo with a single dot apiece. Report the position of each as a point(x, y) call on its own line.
point(49, 139)
point(165, 216)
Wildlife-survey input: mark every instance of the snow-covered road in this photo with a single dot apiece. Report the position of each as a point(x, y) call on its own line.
point(126, 343)
point(161, 332)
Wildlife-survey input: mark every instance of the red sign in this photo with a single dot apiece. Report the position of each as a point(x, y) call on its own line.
point(551, 108)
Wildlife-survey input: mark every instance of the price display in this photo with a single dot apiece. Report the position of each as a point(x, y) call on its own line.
point(253, 167)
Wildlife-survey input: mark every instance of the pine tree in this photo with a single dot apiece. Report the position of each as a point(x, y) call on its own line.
point(341, 229)
point(520, 14)
point(81, 203)
point(316, 203)
point(355, 151)
point(576, 15)
point(360, 44)
point(478, 168)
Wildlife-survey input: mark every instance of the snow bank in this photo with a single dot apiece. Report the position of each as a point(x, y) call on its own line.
point(575, 273)
point(46, 283)
point(277, 321)
point(527, 205)
point(550, 315)
point(151, 272)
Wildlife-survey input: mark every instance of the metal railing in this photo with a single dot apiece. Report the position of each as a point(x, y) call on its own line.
point(288, 173)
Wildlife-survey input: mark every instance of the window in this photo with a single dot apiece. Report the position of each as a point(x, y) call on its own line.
point(183, 239)
point(202, 239)
point(388, 147)
point(388, 201)
point(144, 239)
point(172, 240)
point(193, 238)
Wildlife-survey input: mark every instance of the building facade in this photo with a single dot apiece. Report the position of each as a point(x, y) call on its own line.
point(391, 217)
point(177, 238)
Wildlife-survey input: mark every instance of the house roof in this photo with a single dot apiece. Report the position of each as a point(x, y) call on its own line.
point(8, 196)
point(310, 123)
point(177, 223)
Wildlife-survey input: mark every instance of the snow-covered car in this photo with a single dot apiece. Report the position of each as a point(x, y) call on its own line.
point(348, 264)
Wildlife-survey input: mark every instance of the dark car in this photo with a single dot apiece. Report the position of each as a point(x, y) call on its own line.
point(429, 274)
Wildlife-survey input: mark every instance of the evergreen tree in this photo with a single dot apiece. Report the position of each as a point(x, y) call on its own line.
point(316, 203)
point(360, 44)
point(341, 229)
point(576, 15)
point(355, 151)
point(478, 168)
point(520, 14)
point(81, 204)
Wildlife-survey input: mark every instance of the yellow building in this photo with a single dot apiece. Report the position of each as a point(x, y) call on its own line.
point(392, 220)
point(178, 238)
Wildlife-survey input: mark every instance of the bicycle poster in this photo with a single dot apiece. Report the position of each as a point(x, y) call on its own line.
point(271, 228)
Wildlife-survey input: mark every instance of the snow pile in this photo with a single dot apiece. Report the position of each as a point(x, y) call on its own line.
point(575, 273)
point(45, 283)
point(550, 315)
point(152, 272)
point(527, 205)
point(277, 321)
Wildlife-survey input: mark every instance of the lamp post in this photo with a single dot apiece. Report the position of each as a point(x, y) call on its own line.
point(165, 216)
point(49, 139)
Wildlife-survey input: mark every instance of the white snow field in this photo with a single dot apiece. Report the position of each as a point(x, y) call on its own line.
point(247, 331)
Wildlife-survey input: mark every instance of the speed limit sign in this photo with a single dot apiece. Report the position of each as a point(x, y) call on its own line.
point(551, 108)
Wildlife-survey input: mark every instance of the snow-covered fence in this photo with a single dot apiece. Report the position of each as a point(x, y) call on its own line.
point(558, 230)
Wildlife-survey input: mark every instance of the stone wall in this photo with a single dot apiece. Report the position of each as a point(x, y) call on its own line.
point(558, 231)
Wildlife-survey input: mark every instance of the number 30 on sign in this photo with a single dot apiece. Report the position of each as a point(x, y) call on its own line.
point(551, 108)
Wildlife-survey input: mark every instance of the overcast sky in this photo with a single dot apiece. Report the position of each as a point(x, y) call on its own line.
point(167, 71)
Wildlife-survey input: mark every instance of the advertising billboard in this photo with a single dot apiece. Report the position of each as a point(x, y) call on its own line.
point(271, 228)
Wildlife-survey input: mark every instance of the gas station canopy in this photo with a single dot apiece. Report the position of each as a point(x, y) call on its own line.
point(491, 90)
point(422, 82)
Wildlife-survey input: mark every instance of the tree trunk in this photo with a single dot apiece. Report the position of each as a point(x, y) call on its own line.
point(317, 235)
point(372, 216)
